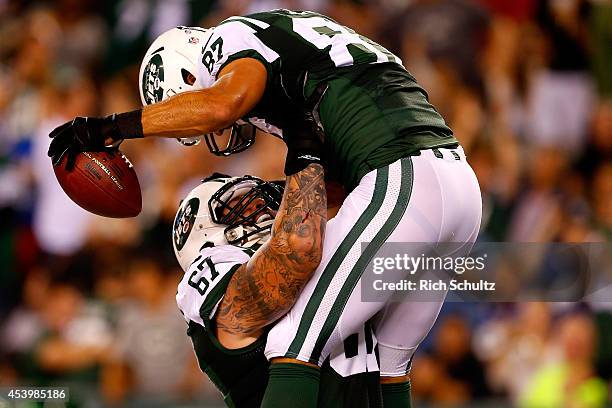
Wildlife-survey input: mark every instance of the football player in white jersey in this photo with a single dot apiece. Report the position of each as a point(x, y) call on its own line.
point(406, 176)
point(238, 279)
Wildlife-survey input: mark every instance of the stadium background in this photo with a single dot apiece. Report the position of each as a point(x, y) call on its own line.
point(88, 302)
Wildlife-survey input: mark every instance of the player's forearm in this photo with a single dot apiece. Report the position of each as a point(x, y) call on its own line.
point(263, 290)
point(189, 114)
point(299, 227)
point(240, 86)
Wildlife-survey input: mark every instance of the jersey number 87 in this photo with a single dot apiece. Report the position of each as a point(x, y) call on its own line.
point(208, 59)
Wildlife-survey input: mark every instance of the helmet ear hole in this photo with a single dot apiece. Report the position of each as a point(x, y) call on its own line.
point(188, 77)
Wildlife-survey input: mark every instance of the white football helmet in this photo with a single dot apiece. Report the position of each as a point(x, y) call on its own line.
point(170, 67)
point(170, 64)
point(217, 213)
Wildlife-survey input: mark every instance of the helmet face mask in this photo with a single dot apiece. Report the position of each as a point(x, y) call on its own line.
point(241, 138)
point(224, 211)
point(245, 205)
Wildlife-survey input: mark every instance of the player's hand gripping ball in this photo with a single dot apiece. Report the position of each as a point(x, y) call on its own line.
point(78, 135)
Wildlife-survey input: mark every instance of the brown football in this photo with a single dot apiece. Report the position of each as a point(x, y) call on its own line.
point(103, 183)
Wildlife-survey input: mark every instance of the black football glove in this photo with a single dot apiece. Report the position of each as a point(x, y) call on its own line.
point(84, 134)
point(304, 135)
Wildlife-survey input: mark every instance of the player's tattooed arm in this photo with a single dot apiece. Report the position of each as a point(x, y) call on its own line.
point(264, 289)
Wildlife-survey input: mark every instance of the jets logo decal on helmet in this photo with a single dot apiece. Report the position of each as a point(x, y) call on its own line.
point(152, 80)
point(184, 222)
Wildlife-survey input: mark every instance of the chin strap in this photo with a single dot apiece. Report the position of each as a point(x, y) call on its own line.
point(189, 141)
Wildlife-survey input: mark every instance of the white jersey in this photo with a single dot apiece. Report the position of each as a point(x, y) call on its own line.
point(203, 285)
point(201, 291)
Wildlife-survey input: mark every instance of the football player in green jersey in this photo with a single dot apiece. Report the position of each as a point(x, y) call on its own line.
point(406, 176)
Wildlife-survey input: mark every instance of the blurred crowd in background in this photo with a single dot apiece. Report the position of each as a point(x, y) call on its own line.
point(88, 302)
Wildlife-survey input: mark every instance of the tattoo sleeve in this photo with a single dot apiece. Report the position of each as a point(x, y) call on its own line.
point(264, 289)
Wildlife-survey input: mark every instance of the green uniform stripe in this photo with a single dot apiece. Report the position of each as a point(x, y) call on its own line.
point(380, 190)
point(215, 295)
point(361, 53)
point(379, 239)
point(248, 54)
